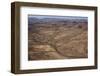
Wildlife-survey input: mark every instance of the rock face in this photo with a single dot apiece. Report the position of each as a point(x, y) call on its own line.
point(57, 39)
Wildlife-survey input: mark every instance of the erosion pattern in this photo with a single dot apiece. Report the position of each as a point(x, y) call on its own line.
point(57, 38)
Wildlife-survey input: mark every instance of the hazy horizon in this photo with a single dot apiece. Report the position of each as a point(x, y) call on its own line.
point(60, 17)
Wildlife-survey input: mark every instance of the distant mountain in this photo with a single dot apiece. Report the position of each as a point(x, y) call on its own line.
point(33, 20)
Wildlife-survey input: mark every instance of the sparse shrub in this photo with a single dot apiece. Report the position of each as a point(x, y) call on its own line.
point(79, 26)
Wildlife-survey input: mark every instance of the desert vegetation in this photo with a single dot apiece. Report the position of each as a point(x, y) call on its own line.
point(51, 37)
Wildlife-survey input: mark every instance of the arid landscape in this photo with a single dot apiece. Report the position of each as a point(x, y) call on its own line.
point(57, 37)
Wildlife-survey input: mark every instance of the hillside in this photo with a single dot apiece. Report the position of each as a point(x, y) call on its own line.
point(57, 38)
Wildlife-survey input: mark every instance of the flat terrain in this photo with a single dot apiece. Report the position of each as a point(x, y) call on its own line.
point(50, 38)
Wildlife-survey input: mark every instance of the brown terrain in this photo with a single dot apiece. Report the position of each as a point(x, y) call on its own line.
point(50, 39)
